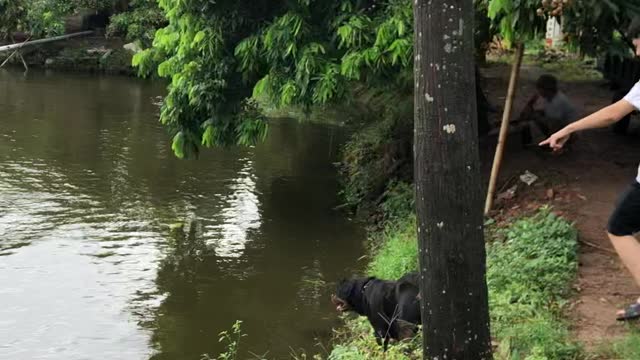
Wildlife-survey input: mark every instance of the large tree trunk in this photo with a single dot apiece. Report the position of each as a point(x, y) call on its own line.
point(448, 190)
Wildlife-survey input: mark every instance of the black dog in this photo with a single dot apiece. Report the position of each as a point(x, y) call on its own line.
point(392, 307)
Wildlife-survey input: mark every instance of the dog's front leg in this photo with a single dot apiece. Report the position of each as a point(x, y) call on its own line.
point(378, 337)
point(386, 344)
point(382, 339)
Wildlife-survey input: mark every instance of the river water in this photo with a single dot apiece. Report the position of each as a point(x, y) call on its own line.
point(89, 265)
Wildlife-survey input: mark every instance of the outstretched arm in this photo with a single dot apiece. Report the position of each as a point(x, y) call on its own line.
point(602, 118)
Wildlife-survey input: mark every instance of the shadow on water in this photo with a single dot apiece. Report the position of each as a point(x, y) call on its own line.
point(88, 263)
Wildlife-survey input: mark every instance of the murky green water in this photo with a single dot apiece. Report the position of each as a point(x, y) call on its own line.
point(88, 267)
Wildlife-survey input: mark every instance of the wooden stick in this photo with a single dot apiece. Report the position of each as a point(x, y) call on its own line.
point(506, 183)
point(504, 126)
point(9, 58)
point(26, 67)
point(619, 293)
point(42, 41)
point(17, 51)
point(596, 246)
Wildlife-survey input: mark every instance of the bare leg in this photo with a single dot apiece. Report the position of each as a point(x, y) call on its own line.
point(628, 250)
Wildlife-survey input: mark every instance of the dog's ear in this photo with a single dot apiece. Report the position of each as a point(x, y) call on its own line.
point(343, 287)
point(340, 284)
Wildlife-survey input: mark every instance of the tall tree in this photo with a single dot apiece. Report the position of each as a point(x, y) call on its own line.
point(452, 254)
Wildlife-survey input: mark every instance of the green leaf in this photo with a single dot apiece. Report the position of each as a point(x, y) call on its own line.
point(199, 36)
point(177, 145)
point(261, 86)
point(209, 136)
point(350, 67)
point(288, 93)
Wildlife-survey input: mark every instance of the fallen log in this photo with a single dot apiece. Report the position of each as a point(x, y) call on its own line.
point(42, 41)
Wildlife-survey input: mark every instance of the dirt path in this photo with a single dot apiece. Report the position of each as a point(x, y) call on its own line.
point(583, 184)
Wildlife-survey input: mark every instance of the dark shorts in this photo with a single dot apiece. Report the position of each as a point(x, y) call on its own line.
point(625, 219)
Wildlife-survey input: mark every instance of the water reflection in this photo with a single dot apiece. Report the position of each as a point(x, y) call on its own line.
point(240, 216)
point(88, 264)
point(65, 277)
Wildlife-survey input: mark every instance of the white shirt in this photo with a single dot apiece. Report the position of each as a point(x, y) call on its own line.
point(561, 109)
point(558, 110)
point(633, 97)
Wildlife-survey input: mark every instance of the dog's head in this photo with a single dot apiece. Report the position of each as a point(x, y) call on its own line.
point(341, 305)
point(348, 296)
point(343, 293)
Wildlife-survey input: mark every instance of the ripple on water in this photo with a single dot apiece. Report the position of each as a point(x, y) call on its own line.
point(82, 287)
point(229, 233)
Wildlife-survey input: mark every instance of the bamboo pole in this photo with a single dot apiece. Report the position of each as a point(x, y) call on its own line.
point(42, 41)
point(504, 126)
point(24, 63)
point(8, 58)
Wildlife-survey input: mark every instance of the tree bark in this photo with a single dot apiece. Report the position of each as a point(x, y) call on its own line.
point(452, 254)
point(504, 126)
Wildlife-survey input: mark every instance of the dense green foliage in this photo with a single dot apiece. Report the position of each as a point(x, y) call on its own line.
point(218, 55)
point(531, 265)
point(376, 155)
point(517, 19)
point(597, 26)
point(529, 276)
point(626, 348)
point(134, 19)
point(289, 53)
point(37, 17)
point(139, 23)
point(12, 13)
point(356, 342)
point(42, 17)
point(593, 26)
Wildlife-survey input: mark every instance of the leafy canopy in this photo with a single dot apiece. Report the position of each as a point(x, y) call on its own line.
point(139, 23)
point(517, 20)
point(594, 26)
point(222, 56)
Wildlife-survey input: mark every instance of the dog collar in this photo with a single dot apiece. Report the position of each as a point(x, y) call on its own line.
point(366, 284)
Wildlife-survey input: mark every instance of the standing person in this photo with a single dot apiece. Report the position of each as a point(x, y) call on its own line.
point(625, 220)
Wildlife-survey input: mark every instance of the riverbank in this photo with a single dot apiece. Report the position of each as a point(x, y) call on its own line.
point(90, 54)
point(532, 263)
